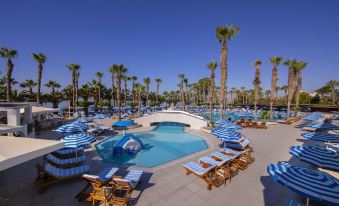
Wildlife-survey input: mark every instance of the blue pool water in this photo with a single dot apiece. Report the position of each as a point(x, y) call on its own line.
point(161, 145)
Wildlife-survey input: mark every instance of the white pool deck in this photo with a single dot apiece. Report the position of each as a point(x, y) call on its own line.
point(167, 184)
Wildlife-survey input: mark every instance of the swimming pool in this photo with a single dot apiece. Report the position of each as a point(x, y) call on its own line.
point(163, 144)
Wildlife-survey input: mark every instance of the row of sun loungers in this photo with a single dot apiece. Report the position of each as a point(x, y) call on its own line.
point(107, 188)
point(220, 166)
point(248, 123)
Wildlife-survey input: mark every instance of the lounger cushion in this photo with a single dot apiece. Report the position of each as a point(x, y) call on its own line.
point(239, 145)
point(60, 172)
point(197, 168)
point(212, 161)
point(221, 156)
point(107, 173)
point(134, 176)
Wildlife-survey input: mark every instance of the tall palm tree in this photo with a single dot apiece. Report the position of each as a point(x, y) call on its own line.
point(256, 83)
point(181, 90)
point(74, 68)
point(275, 61)
point(77, 75)
point(186, 91)
point(134, 78)
point(29, 83)
point(212, 66)
point(333, 84)
point(99, 75)
point(41, 59)
point(120, 71)
point(242, 89)
point(112, 70)
point(232, 92)
point(224, 34)
point(147, 82)
point(158, 81)
point(53, 85)
point(299, 67)
point(8, 54)
point(284, 88)
point(291, 72)
point(94, 84)
point(126, 79)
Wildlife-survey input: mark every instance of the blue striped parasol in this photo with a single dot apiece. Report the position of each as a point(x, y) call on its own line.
point(78, 140)
point(321, 137)
point(74, 127)
point(312, 184)
point(318, 156)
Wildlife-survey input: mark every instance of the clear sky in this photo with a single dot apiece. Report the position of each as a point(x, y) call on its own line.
point(165, 38)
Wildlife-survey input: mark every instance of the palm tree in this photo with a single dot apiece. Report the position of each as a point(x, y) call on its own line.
point(77, 75)
point(147, 82)
point(29, 83)
point(284, 88)
point(333, 84)
point(158, 81)
point(224, 34)
point(232, 92)
point(291, 72)
point(256, 83)
point(94, 84)
point(125, 78)
point(53, 84)
point(275, 61)
point(112, 70)
point(99, 75)
point(212, 66)
point(277, 89)
point(85, 91)
point(74, 68)
point(134, 78)
point(8, 54)
point(299, 67)
point(181, 90)
point(242, 89)
point(41, 59)
point(120, 71)
point(186, 89)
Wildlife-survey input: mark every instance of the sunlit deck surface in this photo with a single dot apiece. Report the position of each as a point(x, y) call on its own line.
point(167, 184)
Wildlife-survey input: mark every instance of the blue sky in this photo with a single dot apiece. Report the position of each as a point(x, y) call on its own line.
point(165, 38)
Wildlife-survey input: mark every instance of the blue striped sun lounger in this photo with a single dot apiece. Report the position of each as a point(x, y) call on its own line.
point(57, 161)
point(197, 168)
point(235, 153)
point(321, 137)
point(103, 177)
point(132, 178)
point(240, 145)
point(212, 161)
point(66, 172)
point(221, 156)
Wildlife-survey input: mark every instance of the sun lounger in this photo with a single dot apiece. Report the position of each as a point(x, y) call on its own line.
point(68, 152)
point(123, 187)
point(245, 154)
point(96, 181)
point(202, 171)
point(223, 170)
point(239, 146)
point(50, 174)
point(238, 163)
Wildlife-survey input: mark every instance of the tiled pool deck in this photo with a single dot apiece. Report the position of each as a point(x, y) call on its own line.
point(167, 184)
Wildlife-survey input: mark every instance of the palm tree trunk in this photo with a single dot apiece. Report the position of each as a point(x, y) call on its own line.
point(39, 82)
point(298, 88)
point(223, 66)
point(273, 89)
point(157, 93)
point(118, 97)
point(333, 95)
point(133, 91)
point(125, 93)
point(73, 87)
point(112, 93)
point(10, 66)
